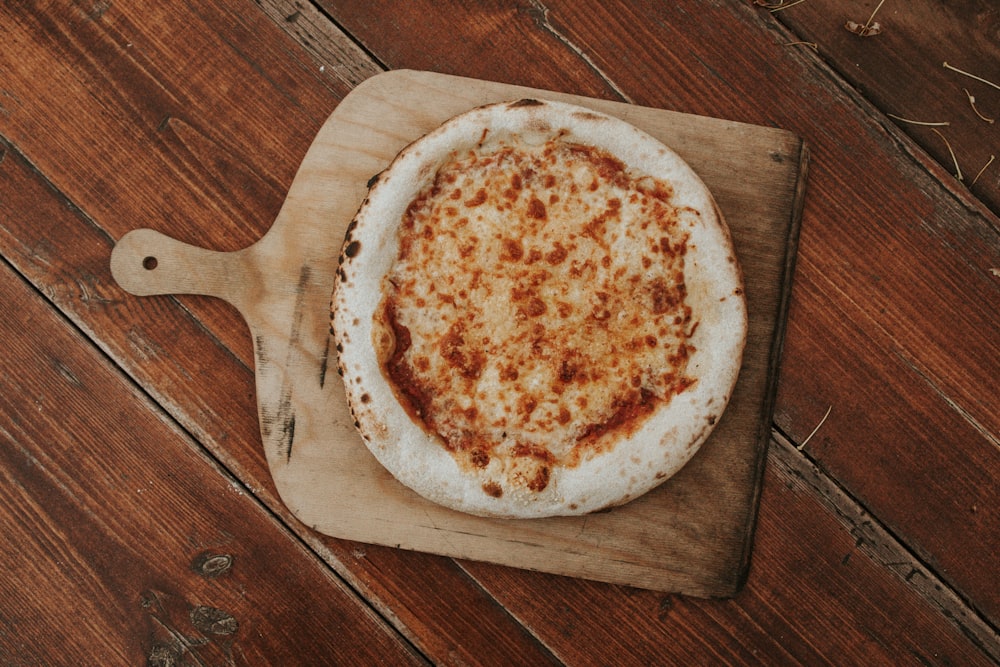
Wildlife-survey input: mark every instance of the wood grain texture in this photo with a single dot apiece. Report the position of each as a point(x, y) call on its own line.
point(82, 162)
point(184, 568)
point(899, 262)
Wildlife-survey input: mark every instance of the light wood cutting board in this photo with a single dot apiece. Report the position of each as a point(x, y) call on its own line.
point(691, 535)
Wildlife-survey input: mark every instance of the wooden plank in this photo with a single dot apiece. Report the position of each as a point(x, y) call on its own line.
point(901, 71)
point(61, 239)
point(124, 543)
point(865, 244)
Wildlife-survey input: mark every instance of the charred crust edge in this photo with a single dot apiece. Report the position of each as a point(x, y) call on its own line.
point(349, 249)
point(526, 102)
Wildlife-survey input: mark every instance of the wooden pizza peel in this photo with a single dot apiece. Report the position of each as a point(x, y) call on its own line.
point(691, 535)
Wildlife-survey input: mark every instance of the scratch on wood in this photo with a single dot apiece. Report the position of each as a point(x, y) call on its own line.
point(169, 651)
point(324, 360)
point(716, 74)
point(90, 290)
point(4, 96)
point(542, 14)
point(965, 414)
point(67, 373)
point(185, 633)
point(96, 10)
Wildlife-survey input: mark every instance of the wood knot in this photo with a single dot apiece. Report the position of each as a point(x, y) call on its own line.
point(211, 565)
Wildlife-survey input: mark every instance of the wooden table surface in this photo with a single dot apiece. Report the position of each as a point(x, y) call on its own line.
point(140, 522)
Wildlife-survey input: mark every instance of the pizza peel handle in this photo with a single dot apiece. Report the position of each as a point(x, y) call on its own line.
point(145, 262)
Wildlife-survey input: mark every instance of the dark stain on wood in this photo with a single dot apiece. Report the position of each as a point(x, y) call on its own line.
point(165, 655)
point(324, 360)
point(183, 633)
point(288, 435)
point(213, 621)
point(284, 416)
point(258, 346)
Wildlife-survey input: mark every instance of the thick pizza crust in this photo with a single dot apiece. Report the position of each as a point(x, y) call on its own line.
point(638, 461)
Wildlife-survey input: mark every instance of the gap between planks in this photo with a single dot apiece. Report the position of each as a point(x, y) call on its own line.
point(335, 52)
point(879, 544)
point(542, 20)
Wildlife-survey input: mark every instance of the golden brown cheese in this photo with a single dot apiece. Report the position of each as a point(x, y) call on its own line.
point(536, 309)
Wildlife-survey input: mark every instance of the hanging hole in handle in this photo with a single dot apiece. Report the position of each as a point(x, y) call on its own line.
point(149, 263)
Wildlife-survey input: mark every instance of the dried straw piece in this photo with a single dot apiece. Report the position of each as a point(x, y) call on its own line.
point(917, 122)
point(988, 163)
point(971, 76)
point(809, 437)
point(972, 101)
point(958, 170)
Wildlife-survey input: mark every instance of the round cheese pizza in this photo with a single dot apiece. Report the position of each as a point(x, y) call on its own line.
point(538, 311)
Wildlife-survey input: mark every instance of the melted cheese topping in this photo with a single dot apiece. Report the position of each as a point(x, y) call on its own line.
point(537, 306)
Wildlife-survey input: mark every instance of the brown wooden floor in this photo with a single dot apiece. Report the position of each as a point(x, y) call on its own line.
point(140, 523)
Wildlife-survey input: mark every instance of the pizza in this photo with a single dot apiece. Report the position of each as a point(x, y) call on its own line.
point(538, 311)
